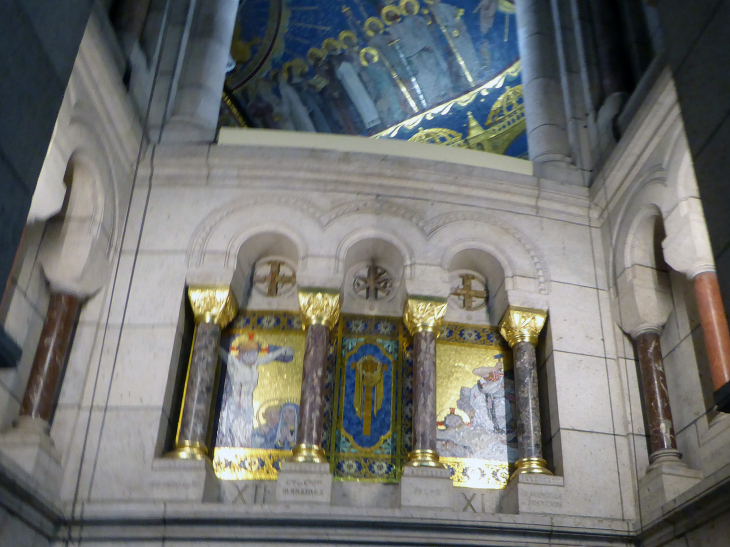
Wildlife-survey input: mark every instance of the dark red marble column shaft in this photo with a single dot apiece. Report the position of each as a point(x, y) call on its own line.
point(193, 429)
point(656, 397)
point(714, 327)
point(311, 406)
point(529, 435)
point(424, 391)
point(50, 357)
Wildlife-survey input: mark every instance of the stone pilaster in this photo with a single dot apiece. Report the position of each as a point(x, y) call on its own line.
point(521, 327)
point(214, 307)
point(423, 317)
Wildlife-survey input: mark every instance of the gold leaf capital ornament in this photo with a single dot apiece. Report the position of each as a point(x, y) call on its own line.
point(424, 313)
point(213, 304)
point(319, 307)
point(522, 325)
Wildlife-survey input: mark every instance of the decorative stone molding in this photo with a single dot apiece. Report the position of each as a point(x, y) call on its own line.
point(687, 245)
point(644, 299)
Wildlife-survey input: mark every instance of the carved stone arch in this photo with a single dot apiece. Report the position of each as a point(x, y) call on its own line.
point(378, 206)
point(239, 240)
point(365, 234)
point(92, 146)
point(206, 229)
point(539, 265)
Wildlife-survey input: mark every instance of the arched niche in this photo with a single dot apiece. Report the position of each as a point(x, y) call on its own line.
point(269, 261)
point(485, 274)
point(373, 276)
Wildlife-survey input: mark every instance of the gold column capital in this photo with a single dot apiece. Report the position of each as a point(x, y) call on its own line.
point(522, 325)
point(319, 306)
point(213, 304)
point(424, 313)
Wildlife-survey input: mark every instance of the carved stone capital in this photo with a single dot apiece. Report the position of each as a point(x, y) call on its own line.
point(319, 307)
point(213, 304)
point(423, 313)
point(522, 325)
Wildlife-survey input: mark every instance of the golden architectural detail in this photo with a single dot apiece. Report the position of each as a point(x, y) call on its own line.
point(424, 314)
point(531, 466)
point(522, 325)
point(319, 307)
point(445, 108)
point(439, 135)
point(188, 450)
point(424, 458)
point(213, 304)
point(309, 453)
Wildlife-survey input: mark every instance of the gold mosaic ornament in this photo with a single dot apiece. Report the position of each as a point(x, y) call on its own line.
point(522, 325)
point(213, 304)
point(319, 307)
point(424, 313)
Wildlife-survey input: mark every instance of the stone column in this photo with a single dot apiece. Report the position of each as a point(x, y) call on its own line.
point(612, 58)
point(547, 135)
point(197, 103)
point(50, 358)
point(29, 443)
point(521, 327)
point(214, 308)
point(656, 398)
point(423, 317)
point(717, 337)
point(667, 476)
point(320, 310)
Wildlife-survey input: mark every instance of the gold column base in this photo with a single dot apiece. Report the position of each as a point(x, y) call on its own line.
point(188, 450)
point(424, 458)
point(534, 466)
point(307, 453)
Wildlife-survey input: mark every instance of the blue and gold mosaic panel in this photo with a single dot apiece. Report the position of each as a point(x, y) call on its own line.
point(365, 432)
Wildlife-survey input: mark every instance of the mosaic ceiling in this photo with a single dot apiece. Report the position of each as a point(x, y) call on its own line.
point(419, 70)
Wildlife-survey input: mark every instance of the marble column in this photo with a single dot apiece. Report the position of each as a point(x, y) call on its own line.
point(214, 308)
point(320, 310)
point(547, 134)
point(716, 334)
point(521, 328)
point(197, 103)
point(656, 398)
point(50, 357)
point(423, 316)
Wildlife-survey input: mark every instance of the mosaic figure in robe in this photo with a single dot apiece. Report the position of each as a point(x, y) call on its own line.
point(380, 85)
point(292, 106)
point(347, 71)
point(450, 18)
point(422, 54)
point(243, 359)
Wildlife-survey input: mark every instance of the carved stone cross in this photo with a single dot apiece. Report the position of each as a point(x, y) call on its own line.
point(275, 278)
point(375, 285)
point(469, 295)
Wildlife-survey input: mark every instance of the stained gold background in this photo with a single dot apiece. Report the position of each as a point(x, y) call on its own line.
point(454, 366)
point(279, 383)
